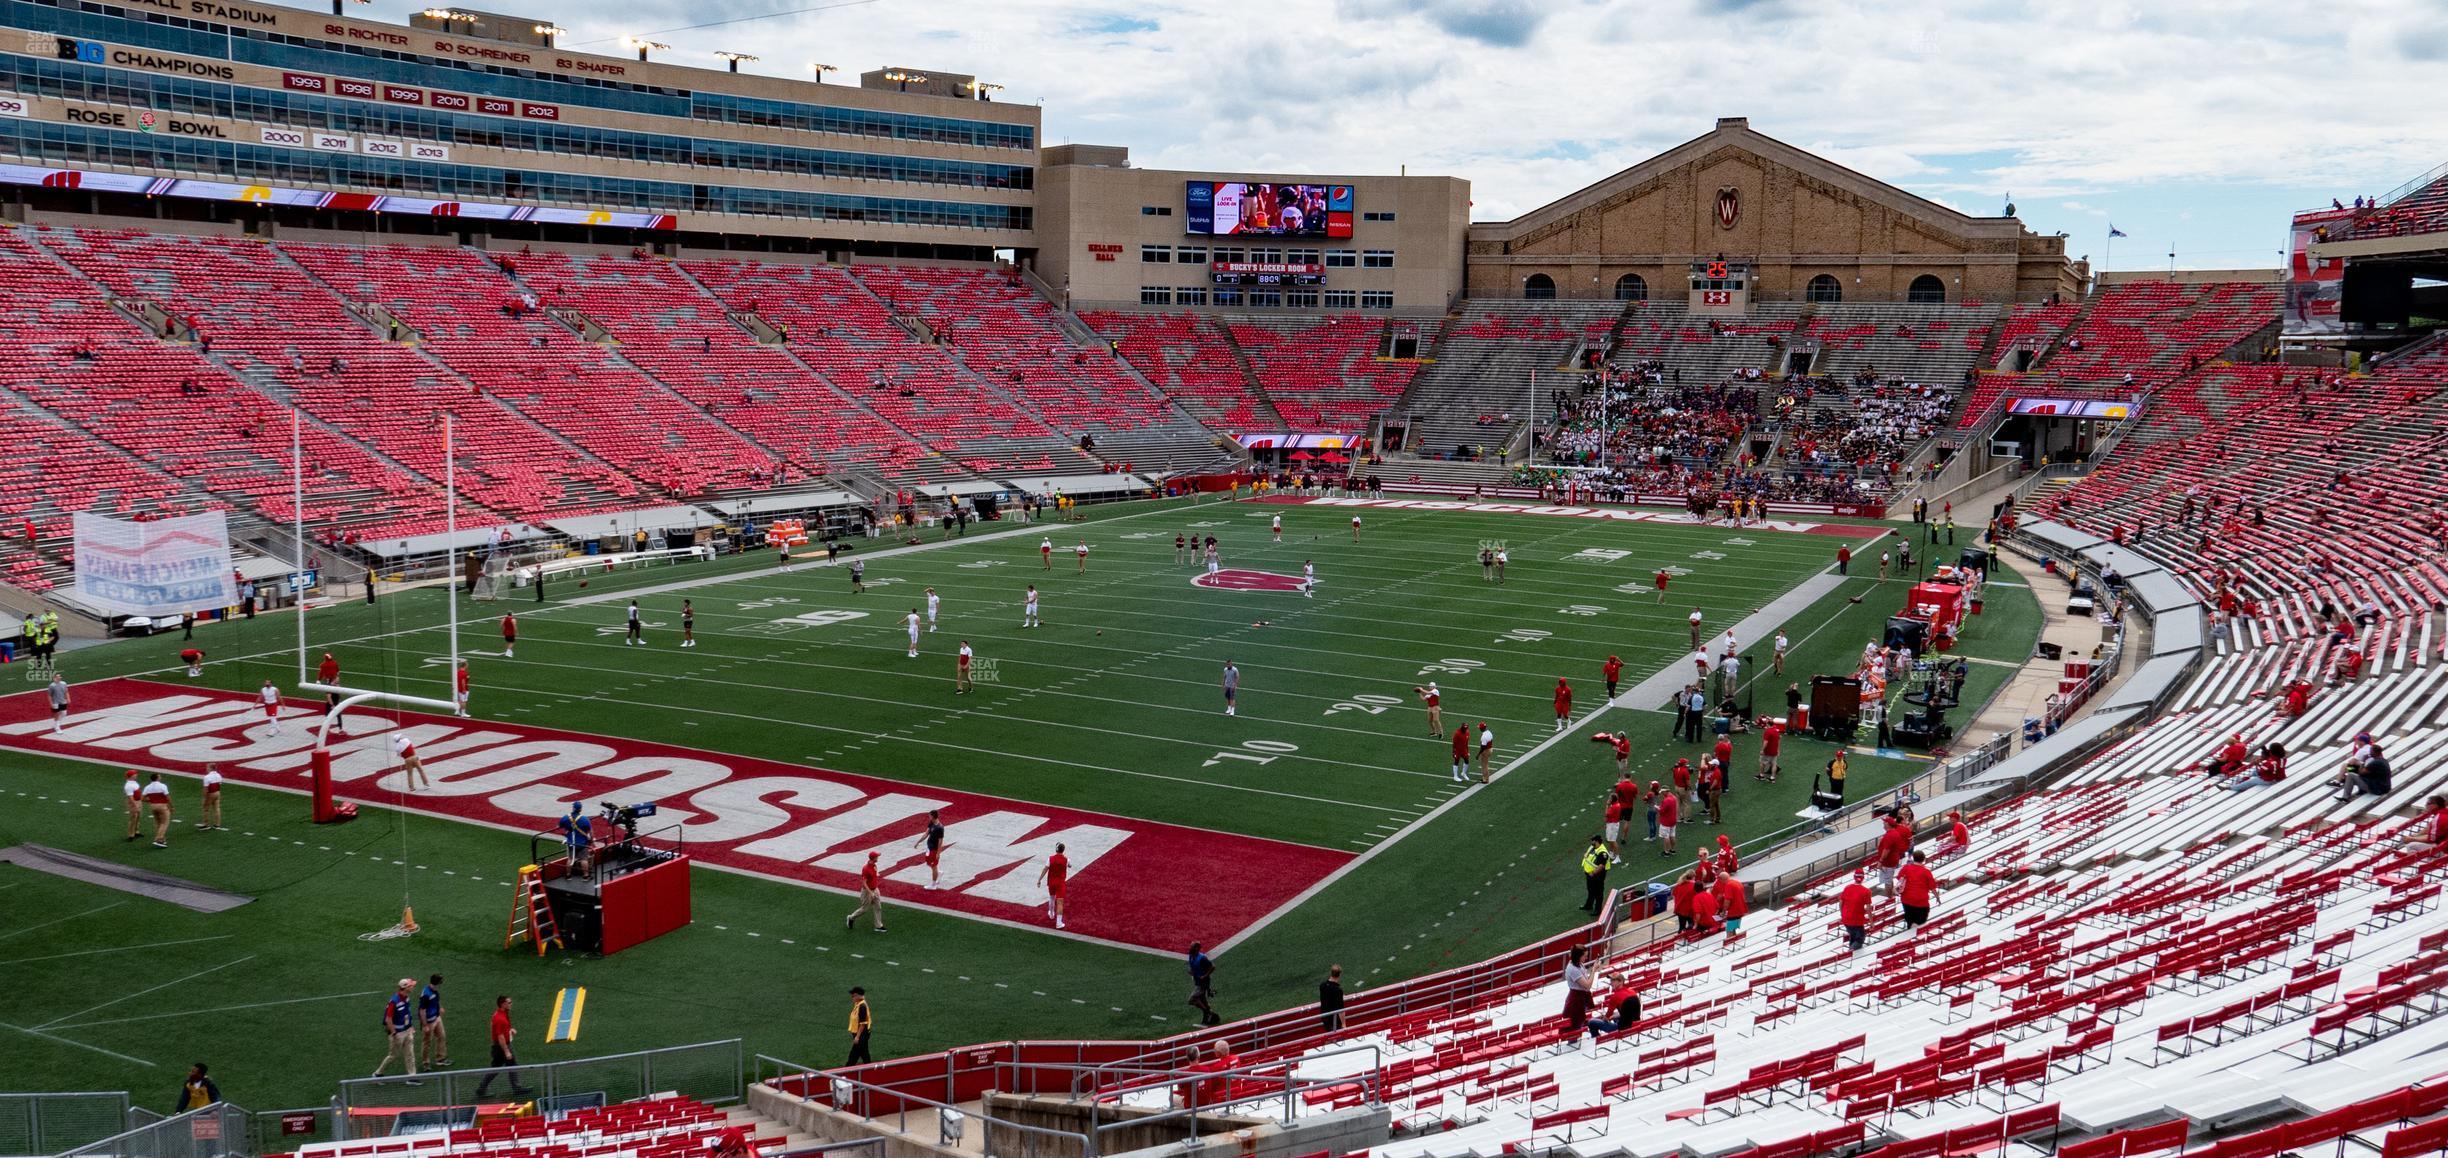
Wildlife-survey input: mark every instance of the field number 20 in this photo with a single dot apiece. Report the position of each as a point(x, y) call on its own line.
point(1369, 702)
point(1258, 752)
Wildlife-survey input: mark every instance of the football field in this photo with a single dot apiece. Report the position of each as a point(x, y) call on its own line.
point(1318, 823)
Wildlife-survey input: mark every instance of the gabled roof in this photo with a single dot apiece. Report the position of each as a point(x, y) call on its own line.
point(1736, 133)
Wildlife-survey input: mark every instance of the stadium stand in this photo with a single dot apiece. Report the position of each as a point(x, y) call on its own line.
point(91, 366)
point(2320, 490)
point(2422, 209)
point(658, 1127)
point(468, 316)
point(1497, 365)
point(270, 322)
point(677, 331)
point(1322, 374)
point(1189, 358)
point(851, 340)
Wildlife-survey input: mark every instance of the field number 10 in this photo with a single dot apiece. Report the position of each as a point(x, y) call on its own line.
point(1259, 752)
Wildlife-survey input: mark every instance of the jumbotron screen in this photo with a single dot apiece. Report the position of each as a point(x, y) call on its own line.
point(1268, 209)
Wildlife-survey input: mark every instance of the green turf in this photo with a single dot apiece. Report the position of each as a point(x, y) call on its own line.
point(1113, 706)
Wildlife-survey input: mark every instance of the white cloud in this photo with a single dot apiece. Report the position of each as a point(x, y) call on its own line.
point(2119, 102)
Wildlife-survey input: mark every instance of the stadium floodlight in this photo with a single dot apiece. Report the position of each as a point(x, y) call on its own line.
point(736, 57)
point(905, 79)
point(548, 31)
point(645, 46)
point(820, 70)
point(979, 88)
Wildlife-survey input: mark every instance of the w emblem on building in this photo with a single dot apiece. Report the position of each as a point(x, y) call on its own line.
point(1729, 206)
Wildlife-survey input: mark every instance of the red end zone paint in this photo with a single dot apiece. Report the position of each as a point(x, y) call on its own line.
point(1133, 882)
point(1238, 579)
point(1605, 514)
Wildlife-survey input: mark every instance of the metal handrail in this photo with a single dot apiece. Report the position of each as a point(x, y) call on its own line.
point(903, 1101)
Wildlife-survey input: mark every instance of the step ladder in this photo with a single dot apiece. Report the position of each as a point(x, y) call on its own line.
point(531, 915)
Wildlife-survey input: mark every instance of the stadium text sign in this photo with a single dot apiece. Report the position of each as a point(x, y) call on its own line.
point(1133, 882)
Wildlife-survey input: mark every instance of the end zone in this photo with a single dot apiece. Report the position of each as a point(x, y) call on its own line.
point(1134, 883)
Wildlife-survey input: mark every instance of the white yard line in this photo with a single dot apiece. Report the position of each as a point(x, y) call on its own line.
point(1370, 853)
point(141, 992)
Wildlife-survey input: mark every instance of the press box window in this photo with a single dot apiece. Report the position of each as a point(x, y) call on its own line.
point(1342, 258)
point(1376, 299)
point(1155, 295)
point(1377, 259)
point(1156, 254)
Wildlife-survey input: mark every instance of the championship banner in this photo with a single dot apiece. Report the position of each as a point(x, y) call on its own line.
point(159, 567)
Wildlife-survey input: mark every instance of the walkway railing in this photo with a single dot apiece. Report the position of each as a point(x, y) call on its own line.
point(50, 1123)
point(708, 1071)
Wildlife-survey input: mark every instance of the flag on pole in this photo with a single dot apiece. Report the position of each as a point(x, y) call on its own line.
point(2113, 231)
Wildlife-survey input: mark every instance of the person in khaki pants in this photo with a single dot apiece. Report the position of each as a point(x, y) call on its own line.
point(157, 802)
point(135, 807)
point(211, 812)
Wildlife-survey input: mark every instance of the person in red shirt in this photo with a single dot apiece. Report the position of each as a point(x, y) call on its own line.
point(1435, 700)
point(1614, 825)
point(193, 657)
point(1623, 751)
point(2298, 698)
point(1772, 740)
point(1724, 751)
point(1683, 780)
point(1712, 788)
point(1612, 669)
point(1650, 798)
point(1844, 560)
point(1853, 912)
point(2433, 822)
point(1461, 754)
point(2270, 769)
point(1627, 791)
point(1959, 836)
point(1727, 861)
point(2231, 758)
point(1055, 876)
point(460, 689)
point(871, 896)
point(1685, 890)
point(1704, 870)
point(1661, 585)
point(1920, 891)
point(1563, 703)
point(1704, 913)
point(327, 673)
point(1669, 810)
point(509, 635)
point(1893, 846)
point(1733, 901)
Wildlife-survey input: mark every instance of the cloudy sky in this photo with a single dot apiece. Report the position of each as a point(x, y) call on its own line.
point(2192, 125)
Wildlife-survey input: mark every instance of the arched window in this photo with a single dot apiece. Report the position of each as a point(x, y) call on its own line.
point(1823, 288)
point(1631, 288)
point(1926, 290)
point(1539, 288)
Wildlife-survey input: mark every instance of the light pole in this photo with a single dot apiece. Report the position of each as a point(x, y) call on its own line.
point(643, 46)
point(736, 57)
point(905, 79)
point(978, 89)
point(820, 70)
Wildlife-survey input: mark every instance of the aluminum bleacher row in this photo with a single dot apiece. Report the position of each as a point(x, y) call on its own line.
point(2324, 490)
point(659, 1127)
